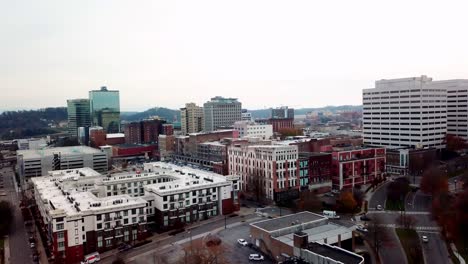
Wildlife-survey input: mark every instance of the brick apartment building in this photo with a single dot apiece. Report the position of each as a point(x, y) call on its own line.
point(356, 166)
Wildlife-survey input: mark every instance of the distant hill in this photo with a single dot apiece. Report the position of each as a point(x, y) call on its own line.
point(165, 113)
point(266, 113)
point(30, 123)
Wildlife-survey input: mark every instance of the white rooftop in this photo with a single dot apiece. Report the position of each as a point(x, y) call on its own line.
point(186, 178)
point(115, 135)
point(75, 150)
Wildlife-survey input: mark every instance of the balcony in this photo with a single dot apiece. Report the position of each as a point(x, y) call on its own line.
point(107, 219)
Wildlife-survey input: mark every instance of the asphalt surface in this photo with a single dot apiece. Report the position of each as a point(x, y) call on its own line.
point(435, 251)
point(20, 251)
point(138, 255)
point(417, 205)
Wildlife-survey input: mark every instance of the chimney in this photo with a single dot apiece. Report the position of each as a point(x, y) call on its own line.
point(301, 240)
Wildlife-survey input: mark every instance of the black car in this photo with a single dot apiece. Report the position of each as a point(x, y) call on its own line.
point(124, 247)
point(365, 218)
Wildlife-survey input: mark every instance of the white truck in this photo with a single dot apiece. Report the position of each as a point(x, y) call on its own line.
point(330, 214)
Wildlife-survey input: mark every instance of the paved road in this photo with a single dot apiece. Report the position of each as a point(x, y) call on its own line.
point(163, 241)
point(19, 245)
point(379, 197)
point(435, 251)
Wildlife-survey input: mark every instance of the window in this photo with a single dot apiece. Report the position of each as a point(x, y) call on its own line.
point(108, 242)
point(59, 226)
point(99, 226)
point(76, 223)
point(98, 217)
point(76, 232)
point(77, 241)
point(61, 244)
point(60, 235)
point(99, 241)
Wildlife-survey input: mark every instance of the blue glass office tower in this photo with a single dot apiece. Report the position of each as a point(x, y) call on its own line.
point(105, 109)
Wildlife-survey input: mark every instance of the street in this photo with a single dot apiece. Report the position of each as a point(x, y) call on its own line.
point(417, 205)
point(20, 251)
point(163, 244)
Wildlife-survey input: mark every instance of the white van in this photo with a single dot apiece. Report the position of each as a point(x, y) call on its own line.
point(331, 214)
point(92, 258)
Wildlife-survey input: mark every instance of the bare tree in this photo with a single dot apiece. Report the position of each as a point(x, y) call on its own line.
point(208, 250)
point(378, 234)
point(407, 221)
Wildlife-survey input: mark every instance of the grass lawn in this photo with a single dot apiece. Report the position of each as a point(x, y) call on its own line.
point(409, 239)
point(394, 205)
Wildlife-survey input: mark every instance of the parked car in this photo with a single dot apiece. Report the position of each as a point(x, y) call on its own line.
point(242, 242)
point(335, 191)
point(365, 218)
point(425, 239)
point(379, 207)
point(124, 247)
point(362, 228)
point(329, 195)
point(256, 257)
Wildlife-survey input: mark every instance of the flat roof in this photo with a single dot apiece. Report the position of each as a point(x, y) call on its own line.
point(115, 135)
point(335, 253)
point(328, 232)
point(31, 154)
point(286, 221)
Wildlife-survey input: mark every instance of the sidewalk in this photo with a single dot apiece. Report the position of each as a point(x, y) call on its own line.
point(157, 238)
point(6, 250)
point(40, 248)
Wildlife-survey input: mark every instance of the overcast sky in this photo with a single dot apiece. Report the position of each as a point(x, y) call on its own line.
point(266, 53)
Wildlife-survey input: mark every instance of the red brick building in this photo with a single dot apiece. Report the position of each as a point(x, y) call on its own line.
point(134, 150)
point(168, 129)
point(315, 171)
point(132, 133)
point(97, 137)
point(357, 166)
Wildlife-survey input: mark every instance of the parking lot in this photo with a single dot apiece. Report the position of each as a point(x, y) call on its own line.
point(235, 252)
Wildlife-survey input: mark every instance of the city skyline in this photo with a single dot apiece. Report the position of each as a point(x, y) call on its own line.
point(324, 54)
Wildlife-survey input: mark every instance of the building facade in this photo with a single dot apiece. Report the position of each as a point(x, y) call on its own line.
point(33, 163)
point(457, 106)
point(351, 167)
point(78, 115)
point(191, 117)
point(266, 171)
point(221, 112)
point(105, 109)
point(315, 171)
point(76, 222)
point(282, 112)
point(252, 129)
point(407, 112)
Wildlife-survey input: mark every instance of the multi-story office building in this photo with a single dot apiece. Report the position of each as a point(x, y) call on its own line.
point(252, 129)
point(282, 112)
point(132, 133)
point(105, 109)
point(407, 112)
point(191, 118)
point(278, 123)
point(221, 112)
point(266, 171)
point(76, 222)
point(78, 115)
point(457, 106)
point(32, 163)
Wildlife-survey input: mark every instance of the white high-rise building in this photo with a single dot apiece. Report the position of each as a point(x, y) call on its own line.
point(407, 112)
point(457, 106)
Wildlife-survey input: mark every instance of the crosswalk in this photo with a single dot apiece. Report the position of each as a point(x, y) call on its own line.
point(372, 211)
point(417, 228)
